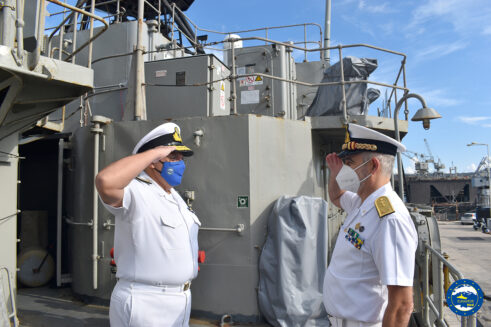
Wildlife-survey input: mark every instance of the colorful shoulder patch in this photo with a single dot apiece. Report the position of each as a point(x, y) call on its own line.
point(384, 207)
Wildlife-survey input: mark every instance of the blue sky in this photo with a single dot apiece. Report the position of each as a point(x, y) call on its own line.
point(447, 43)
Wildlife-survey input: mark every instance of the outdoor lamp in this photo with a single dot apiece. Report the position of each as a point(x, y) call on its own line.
point(425, 114)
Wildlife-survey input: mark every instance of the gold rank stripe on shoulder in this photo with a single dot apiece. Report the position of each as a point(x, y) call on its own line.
point(143, 180)
point(384, 207)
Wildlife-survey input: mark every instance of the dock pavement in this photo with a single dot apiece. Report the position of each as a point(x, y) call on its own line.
point(470, 252)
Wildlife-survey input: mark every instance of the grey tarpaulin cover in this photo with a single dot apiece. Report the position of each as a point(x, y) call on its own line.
point(328, 100)
point(293, 262)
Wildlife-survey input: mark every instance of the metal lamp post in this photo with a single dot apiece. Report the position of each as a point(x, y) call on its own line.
point(424, 114)
point(489, 175)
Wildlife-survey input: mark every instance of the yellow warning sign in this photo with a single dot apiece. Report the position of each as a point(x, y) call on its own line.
point(222, 86)
point(250, 80)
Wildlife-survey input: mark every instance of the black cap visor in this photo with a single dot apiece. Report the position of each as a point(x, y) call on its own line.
point(166, 140)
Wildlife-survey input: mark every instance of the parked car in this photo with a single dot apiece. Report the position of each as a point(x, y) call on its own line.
point(468, 218)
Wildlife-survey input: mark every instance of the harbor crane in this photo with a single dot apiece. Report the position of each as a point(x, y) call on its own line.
point(437, 165)
point(420, 162)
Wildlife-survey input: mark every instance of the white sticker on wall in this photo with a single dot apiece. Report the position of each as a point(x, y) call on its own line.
point(160, 73)
point(249, 97)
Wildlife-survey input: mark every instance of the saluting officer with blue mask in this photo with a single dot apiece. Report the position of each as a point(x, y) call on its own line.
point(156, 235)
point(369, 280)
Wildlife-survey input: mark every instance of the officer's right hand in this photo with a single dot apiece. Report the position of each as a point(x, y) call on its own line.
point(334, 163)
point(162, 151)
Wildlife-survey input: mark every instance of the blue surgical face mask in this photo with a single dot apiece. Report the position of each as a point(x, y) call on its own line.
point(172, 172)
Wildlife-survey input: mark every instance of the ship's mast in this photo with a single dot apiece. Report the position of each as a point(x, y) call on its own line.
point(327, 32)
point(140, 113)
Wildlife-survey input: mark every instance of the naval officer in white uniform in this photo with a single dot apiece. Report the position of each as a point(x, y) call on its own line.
point(156, 235)
point(370, 277)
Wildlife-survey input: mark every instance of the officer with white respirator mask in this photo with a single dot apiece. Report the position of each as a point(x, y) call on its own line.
point(369, 280)
point(156, 234)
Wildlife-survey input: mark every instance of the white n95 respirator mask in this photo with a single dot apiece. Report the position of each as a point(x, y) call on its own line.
point(348, 180)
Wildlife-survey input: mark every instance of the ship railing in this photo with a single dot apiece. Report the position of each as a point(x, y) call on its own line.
point(66, 29)
point(12, 312)
point(230, 41)
point(342, 82)
point(117, 15)
point(73, 13)
point(440, 282)
point(195, 42)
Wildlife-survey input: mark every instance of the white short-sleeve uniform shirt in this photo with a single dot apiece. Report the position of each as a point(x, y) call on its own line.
point(156, 252)
point(370, 253)
point(156, 235)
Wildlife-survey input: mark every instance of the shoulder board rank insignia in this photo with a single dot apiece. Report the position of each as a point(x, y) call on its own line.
point(144, 180)
point(384, 207)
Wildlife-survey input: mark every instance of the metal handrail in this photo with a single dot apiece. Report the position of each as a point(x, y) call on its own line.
point(342, 82)
point(239, 229)
point(98, 4)
point(233, 76)
point(233, 96)
point(428, 302)
point(83, 12)
point(280, 79)
point(71, 222)
point(13, 314)
point(266, 29)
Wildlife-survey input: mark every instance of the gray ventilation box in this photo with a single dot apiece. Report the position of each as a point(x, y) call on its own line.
point(171, 91)
point(261, 95)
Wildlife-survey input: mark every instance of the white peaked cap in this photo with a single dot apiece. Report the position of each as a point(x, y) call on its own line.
point(165, 134)
point(363, 139)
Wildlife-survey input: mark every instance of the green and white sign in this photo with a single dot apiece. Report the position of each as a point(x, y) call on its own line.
point(243, 201)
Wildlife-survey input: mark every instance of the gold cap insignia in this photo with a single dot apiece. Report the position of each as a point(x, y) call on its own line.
point(346, 138)
point(177, 135)
point(384, 207)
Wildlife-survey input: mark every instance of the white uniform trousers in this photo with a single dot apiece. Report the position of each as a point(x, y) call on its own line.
point(142, 305)
point(339, 322)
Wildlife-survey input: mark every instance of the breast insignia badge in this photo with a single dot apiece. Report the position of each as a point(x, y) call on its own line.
point(384, 207)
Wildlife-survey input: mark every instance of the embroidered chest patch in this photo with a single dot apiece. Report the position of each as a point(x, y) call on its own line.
point(354, 238)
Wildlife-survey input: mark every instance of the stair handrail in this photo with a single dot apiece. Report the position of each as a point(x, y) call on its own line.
point(83, 12)
point(13, 315)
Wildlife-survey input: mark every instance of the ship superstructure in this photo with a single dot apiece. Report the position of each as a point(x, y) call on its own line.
point(244, 110)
